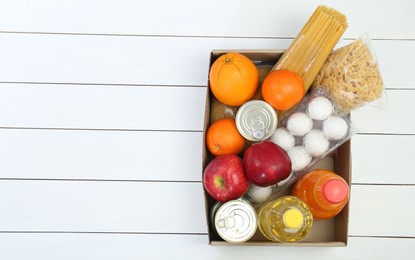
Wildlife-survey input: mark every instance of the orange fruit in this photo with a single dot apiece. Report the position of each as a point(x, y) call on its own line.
point(282, 89)
point(233, 79)
point(222, 137)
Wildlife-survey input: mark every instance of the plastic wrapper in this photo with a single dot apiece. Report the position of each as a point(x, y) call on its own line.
point(316, 40)
point(318, 127)
point(351, 75)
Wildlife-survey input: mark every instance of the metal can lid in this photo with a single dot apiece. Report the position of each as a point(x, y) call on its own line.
point(236, 221)
point(217, 205)
point(256, 120)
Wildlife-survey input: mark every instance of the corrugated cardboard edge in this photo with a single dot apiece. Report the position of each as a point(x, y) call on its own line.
point(204, 151)
point(304, 244)
point(343, 168)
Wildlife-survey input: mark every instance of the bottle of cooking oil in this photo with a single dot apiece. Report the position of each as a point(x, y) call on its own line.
point(286, 219)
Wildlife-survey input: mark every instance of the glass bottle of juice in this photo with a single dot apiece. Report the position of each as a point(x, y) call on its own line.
point(325, 192)
point(286, 219)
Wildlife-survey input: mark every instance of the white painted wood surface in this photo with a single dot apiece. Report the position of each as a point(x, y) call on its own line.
point(155, 246)
point(101, 113)
point(149, 60)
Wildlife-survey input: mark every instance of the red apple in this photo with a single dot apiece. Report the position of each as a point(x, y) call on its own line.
point(224, 178)
point(266, 163)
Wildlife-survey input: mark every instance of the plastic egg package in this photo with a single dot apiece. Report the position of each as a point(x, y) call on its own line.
point(311, 130)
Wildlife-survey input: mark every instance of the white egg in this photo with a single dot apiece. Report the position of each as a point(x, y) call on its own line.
point(335, 128)
point(320, 108)
point(316, 143)
point(283, 138)
point(259, 194)
point(299, 124)
point(285, 181)
point(300, 159)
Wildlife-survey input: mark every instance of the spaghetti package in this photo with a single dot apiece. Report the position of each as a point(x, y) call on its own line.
point(310, 49)
point(351, 76)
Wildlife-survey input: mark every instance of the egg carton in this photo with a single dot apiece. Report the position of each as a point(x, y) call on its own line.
point(310, 131)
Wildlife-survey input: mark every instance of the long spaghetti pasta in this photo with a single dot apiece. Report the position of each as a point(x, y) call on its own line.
point(310, 49)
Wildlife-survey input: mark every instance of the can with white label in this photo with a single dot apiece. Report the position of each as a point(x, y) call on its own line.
point(256, 120)
point(235, 220)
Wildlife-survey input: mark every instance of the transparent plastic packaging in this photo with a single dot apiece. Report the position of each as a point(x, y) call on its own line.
point(319, 128)
point(351, 75)
point(313, 44)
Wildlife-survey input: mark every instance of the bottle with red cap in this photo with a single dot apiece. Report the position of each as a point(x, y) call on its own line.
point(325, 192)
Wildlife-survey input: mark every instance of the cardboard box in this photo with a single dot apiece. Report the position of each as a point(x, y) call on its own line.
point(327, 233)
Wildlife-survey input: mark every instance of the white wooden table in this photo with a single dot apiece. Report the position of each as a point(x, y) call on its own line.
point(101, 113)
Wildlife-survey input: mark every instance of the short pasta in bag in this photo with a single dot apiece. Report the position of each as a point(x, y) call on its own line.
point(351, 76)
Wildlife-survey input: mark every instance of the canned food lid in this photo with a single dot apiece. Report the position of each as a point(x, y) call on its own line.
point(256, 120)
point(236, 221)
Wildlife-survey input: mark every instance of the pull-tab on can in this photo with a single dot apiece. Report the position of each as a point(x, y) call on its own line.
point(256, 120)
point(235, 221)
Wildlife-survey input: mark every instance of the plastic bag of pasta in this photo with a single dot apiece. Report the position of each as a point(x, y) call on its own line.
point(351, 75)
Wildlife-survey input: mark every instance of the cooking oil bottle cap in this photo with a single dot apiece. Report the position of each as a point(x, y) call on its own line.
point(335, 191)
point(256, 120)
point(293, 218)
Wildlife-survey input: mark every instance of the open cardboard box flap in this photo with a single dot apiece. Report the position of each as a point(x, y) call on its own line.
point(324, 233)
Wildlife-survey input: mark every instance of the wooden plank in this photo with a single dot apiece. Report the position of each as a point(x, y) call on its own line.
point(102, 107)
point(114, 60)
point(103, 155)
point(395, 64)
point(395, 118)
point(383, 159)
point(136, 155)
point(376, 210)
point(119, 246)
point(154, 108)
point(152, 60)
point(382, 211)
point(102, 206)
point(212, 18)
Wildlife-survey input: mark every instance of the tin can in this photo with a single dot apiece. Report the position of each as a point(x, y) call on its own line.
point(256, 120)
point(235, 220)
point(217, 205)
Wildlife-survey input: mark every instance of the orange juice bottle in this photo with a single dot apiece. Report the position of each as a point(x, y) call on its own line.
point(325, 192)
